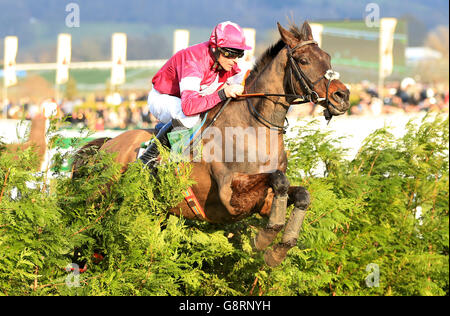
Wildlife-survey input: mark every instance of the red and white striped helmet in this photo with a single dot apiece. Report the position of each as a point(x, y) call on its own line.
point(228, 34)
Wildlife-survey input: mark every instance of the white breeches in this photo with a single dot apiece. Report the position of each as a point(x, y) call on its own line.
point(167, 107)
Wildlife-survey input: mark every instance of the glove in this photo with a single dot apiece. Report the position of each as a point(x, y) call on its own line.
point(233, 90)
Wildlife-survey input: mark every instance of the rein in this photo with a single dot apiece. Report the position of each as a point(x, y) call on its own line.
point(195, 140)
point(265, 122)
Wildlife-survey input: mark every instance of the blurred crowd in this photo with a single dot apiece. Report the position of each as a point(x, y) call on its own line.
point(406, 96)
point(115, 112)
point(131, 114)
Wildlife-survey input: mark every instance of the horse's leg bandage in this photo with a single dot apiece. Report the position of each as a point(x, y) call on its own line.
point(277, 218)
point(300, 197)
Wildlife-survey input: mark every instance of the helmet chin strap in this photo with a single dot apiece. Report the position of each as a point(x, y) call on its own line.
point(216, 54)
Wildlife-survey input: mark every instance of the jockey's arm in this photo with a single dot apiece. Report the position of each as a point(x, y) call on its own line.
point(193, 101)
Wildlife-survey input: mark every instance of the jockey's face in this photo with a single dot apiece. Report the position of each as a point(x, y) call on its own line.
point(227, 63)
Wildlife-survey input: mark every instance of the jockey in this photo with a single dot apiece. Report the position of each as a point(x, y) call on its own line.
point(195, 80)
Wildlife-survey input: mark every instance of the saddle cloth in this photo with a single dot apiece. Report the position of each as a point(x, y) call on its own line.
point(179, 140)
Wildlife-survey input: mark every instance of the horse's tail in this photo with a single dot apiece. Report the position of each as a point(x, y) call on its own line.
point(86, 151)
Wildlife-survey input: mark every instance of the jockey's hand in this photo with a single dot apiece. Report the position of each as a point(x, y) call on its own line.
point(233, 90)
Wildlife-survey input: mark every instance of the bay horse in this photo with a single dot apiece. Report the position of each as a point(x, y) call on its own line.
point(293, 69)
point(36, 140)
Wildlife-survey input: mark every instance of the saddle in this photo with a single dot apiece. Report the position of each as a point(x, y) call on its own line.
point(180, 137)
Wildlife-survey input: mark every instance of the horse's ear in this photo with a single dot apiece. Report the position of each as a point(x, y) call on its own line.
point(287, 37)
point(306, 33)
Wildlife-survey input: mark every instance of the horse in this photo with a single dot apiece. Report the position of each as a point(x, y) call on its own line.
point(294, 69)
point(36, 140)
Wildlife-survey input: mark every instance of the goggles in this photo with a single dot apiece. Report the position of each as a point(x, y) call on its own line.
point(231, 52)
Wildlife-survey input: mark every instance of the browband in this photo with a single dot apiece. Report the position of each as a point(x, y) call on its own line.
point(303, 44)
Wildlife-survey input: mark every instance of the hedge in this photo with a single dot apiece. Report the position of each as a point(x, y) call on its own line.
point(377, 225)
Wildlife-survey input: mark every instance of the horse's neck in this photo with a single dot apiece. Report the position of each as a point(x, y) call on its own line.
point(271, 80)
point(265, 143)
point(270, 147)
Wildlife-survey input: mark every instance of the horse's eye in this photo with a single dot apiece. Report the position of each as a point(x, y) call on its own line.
point(304, 61)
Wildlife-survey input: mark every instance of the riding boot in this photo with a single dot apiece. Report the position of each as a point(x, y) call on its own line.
point(150, 156)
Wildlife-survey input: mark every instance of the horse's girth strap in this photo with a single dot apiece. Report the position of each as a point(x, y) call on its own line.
point(193, 203)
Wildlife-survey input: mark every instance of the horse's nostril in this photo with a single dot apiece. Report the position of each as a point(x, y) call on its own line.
point(341, 95)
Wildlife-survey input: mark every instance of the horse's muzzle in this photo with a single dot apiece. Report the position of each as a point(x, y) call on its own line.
point(340, 102)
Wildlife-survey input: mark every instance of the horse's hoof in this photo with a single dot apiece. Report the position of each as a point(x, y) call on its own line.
point(263, 239)
point(273, 257)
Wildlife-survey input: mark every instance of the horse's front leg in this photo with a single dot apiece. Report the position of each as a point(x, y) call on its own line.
point(277, 217)
point(300, 197)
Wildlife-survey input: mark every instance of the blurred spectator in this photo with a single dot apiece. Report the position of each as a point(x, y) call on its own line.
point(363, 107)
point(369, 88)
point(100, 124)
point(113, 119)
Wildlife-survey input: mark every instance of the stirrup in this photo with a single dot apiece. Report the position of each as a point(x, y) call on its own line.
point(151, 163)
point(150, 156)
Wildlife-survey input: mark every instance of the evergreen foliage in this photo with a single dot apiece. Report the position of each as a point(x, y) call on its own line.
point(383, 213)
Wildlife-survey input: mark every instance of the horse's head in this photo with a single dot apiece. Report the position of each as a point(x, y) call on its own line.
point(310, 72)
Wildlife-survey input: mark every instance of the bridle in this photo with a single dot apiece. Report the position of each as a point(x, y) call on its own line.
point(307, 86)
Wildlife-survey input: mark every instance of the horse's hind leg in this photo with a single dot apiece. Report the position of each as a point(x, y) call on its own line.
point(298, 196)
point(277, 217)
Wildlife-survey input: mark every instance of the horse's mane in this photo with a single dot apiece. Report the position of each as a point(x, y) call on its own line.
point(265, 59)
point(270, 53)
